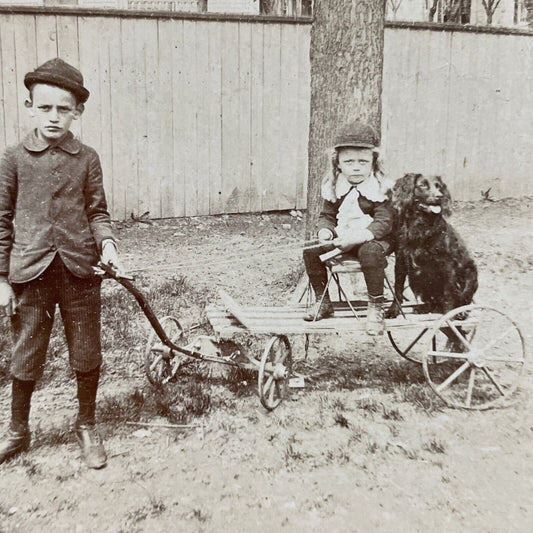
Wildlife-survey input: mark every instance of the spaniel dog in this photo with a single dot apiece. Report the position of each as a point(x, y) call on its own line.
point(441, 272)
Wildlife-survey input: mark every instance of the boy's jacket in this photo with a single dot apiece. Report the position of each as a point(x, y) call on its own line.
point(379, 209)
point(51, 201)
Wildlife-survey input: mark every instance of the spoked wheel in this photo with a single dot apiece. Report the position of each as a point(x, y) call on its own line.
point(160, 364)
point(274, 371)
point(482, 360)
point(412, 345)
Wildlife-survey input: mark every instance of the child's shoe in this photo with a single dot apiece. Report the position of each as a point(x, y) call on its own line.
point(319, 310)
point(14, 442)
point(375, 318)
point(92, 447)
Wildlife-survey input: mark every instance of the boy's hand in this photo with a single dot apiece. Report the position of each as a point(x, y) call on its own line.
point(109, 255)
point(325, 235)
point(7, 298)
point(347, 242)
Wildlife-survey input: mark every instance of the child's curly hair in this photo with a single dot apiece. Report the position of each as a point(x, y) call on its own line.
point(329, 182)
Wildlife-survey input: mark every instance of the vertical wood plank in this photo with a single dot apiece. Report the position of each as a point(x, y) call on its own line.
point(123, 131)
point(46, 36)
point(243, 162)
point(256, 132)
point(286, 180)
point(2, 99)
point(164, 95)
point(435, 108)
point(214, 104)
point(304, 98)
point(202, 149)
point(68, 49)
point(89, 32)
point(232, 182)
point(149, 131)
point(26, 60)
point(109, 32)
point(11, 103)
point(67, 39)
point(179, 131)
point(188, 117)
point(271, 116)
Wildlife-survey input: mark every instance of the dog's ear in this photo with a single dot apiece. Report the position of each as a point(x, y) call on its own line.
point(446, 198)
point(403, 192)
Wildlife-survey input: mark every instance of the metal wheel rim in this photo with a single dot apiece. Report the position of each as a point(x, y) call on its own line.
point(273, 391)
point(470, 363)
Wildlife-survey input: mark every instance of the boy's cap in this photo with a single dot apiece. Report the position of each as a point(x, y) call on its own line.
point(357, 134)
point(57, 72)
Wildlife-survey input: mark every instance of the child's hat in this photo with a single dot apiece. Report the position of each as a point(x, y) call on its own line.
point(357, 134)
point(57, 72)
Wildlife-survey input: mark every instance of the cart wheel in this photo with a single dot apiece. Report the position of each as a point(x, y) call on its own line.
point(415, 345)
point(482, 360)
point(160, 364)
point(274, 371)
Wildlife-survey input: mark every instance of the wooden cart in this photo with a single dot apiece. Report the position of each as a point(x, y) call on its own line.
point(472, 356)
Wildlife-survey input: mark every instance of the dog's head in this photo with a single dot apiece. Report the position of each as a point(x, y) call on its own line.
point(418, 192)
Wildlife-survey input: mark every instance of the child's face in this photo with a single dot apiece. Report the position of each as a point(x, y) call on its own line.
point(356, 164)
point(52, 109)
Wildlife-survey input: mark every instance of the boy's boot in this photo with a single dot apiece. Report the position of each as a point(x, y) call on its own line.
point(17, 438)
point(92, 447)
point(375, 319)
point(322, 308)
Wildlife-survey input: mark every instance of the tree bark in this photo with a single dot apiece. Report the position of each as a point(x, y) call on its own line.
point(346, 80)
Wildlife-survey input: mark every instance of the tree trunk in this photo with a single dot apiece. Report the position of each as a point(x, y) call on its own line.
point(346, 79)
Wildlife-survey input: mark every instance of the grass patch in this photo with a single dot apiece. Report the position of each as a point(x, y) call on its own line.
point(434, 445)
point(53, 436)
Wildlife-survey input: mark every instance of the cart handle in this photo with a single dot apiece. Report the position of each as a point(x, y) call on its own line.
point(107, 271)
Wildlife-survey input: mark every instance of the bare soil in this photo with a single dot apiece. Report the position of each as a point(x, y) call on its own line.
point(365, 447)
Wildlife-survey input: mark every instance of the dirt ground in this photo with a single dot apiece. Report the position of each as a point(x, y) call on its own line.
point(360, 449)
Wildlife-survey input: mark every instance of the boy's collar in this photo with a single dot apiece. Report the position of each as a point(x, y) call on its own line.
point(370, 188)
point(68, 144)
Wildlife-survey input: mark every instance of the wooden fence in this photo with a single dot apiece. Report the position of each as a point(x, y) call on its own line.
point(460, 103)
point(200, 114)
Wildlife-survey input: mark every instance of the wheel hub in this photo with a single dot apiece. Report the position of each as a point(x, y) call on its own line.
point(280, 371)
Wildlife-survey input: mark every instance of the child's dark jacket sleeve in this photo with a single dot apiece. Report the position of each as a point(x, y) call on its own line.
point(8, 193)
point(381, 226)
point(328, 216)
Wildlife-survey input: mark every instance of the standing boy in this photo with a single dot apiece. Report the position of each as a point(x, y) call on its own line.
point(54, 227)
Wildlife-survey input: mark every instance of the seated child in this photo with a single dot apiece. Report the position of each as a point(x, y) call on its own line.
point(356, 217)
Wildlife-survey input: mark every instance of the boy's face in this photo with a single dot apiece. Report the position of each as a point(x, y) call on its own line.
point(356, 164)
point(52, 109)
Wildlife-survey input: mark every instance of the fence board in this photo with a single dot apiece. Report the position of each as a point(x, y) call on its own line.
point(188, 117)
point(288, 173)
point(214, 140)
point(304, 98)
point(163, 100)
point(203, 153)
point(203, 116)
point(271, 185)
point(256, 132)
point(46, 36)
point(233, 183)
point(12, 106)
point(179, 136)
point(244, 113)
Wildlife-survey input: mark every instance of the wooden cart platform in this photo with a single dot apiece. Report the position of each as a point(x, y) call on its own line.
point(231, 318)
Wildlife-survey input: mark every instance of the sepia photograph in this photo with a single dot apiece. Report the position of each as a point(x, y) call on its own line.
point(265, 266)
